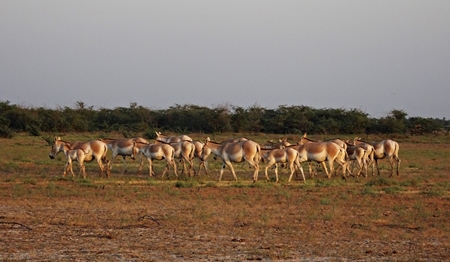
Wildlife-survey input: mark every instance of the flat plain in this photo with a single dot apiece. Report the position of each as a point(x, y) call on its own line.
point(132, 217)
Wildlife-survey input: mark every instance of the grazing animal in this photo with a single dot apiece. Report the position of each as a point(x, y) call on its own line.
point(282, 155)
point(170, 139)
point(156, 152)
point(202, 154)
point(184, 150)
point(123, 147)
point(337, 141)
point(323, 151)
point(74, 155)
point(359, 155)
point(282, 143)
point(95, 150)
point(370, 151)
point(385, 148)
point(237, 152)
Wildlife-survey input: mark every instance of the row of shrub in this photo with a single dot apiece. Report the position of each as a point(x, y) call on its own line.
point(221, 119)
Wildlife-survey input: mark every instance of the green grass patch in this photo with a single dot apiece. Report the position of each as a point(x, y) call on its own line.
point(29, 181)
point(186, 184)
point(381, 181)
point(393, 190)
point(368, 190)
point(85, 182)
point(433, 192)
point(325, 201)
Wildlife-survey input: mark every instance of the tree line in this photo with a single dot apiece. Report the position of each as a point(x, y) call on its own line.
point(220, 119)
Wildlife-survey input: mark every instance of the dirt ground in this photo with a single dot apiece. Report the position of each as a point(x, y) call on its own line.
point(44, 217)
point(167, 223)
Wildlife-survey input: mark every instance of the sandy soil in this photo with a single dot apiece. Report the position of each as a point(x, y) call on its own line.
point(125, 222)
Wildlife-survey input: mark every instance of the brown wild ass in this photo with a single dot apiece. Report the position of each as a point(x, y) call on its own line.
point(170, 139)
point(282, 155)
point(202, 154)
point(74, 155)
point(382, 149)
point(370, 151)
point(237, 152)
point(323, 151)
point(156, 152)
point(359, 155)
point(94, 149)
point(123, 147)
point(282, 143)
point(184, 150)
point(337, 141)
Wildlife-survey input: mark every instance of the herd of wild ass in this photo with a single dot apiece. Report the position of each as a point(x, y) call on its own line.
point(346, 154)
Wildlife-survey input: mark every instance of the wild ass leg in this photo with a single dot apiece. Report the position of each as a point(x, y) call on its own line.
point(324, 166)
point(68, 167)
point(256, 166)
point(150, 167)
point(376, 165)
point(168, 165)
point(232, 170)
point(125, 165)
point(398, 164)
point(141, 163)
point(267, 168)
point(344, 165)
point(82, 169)
point(299, 166)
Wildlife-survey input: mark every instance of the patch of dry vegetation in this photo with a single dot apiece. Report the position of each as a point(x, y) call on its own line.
point(131, 217)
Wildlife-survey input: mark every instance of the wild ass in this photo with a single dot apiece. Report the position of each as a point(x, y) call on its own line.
point(156, 152)
point(337, 141)
point(74, 155)
point(123, 147)
point(323, 151)
point(382, 149)
point(202, 154)
point(237, 152)
point(170, 139)
point(95, 150)
point(370, 151)
point(282, 155)
point(282, 143)
point(359, 155)
point(184, 150)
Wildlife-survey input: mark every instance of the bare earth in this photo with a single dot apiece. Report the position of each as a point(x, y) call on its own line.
point(131, 218)
point(212, 223)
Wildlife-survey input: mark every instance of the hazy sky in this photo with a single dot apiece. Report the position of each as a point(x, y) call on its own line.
point(375, 56)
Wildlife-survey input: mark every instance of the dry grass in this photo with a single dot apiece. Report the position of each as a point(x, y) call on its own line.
point(131, 217)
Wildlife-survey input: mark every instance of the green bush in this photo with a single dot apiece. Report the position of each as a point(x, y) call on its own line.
point(5, 132)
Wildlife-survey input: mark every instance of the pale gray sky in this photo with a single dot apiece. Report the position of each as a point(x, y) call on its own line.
point(371, 55)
